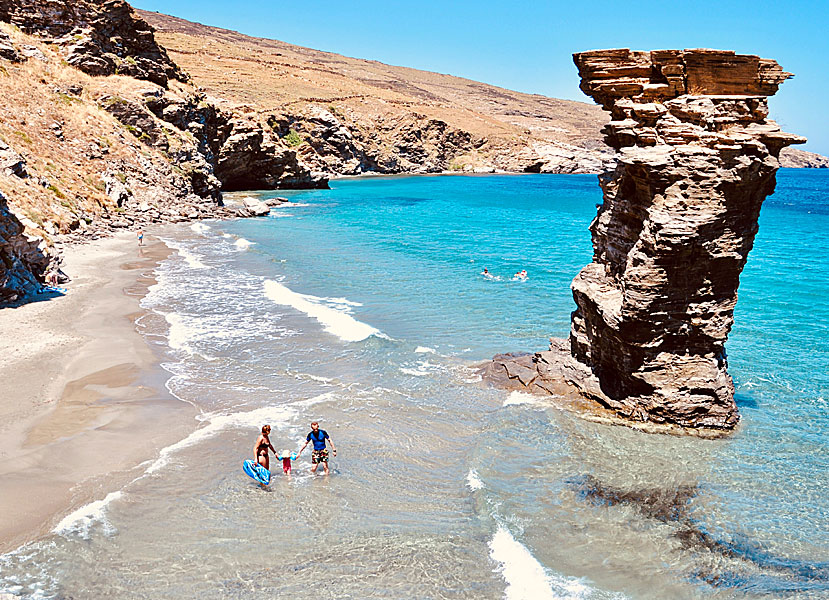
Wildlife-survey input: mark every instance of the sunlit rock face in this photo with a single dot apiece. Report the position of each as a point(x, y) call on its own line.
point(697, 156)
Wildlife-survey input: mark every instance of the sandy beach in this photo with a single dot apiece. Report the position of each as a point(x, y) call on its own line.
point(83, 395)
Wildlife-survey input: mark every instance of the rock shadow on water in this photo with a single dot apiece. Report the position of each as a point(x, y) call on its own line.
point(405, 200)
point(778, 576)
point(744, 400)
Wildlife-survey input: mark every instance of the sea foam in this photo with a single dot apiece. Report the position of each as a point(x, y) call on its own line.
point(192, 259)
point(200, 228)
point(473, 481)
point(526, 578)
point(331, 313)
point(277, 416)
point(517, 397)
point(81, 521)
point(243, 244)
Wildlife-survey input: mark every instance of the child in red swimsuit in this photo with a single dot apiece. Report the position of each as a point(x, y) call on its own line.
point(286, 456)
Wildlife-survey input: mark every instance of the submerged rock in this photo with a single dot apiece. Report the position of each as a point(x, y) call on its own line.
point(696, 158)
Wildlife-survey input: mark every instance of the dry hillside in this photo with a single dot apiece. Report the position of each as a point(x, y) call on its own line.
point(356, 115)
point(309, 91)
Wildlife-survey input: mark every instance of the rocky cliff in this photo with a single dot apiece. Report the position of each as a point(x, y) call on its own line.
point(697, 155)
point(101, 130)
point(100, 38)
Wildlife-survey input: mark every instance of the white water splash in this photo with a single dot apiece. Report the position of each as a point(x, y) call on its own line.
point(332, 313)
point(517, 397)
point(526, 578)
point(200, 228)
point(192, 259)
point(80, 522)
point(473, 481)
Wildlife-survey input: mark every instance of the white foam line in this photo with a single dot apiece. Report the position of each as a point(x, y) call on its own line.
point(243, 244)
point(200, 228)
point(82, 519)
point(333, 320)
point(424, 350)
point(191, 258)
point(526, 578)
point(414, 372)
point(178, 334)
point(274, 415)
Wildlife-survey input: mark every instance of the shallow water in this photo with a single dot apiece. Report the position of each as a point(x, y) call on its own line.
point(363, 306)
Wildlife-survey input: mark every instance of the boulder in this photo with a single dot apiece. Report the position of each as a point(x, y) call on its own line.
point(255, 208)
point(7, 49)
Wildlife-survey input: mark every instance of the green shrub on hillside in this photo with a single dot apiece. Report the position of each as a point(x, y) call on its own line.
point(292, 138)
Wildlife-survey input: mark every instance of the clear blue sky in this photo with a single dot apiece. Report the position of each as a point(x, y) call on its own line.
point(527, 46)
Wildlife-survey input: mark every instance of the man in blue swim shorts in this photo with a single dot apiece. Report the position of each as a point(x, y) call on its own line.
point(320, 452)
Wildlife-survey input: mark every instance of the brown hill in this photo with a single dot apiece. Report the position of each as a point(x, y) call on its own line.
point(101, 130)
point(356, 115)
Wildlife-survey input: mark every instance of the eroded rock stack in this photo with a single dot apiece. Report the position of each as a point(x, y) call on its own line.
point(696, 158)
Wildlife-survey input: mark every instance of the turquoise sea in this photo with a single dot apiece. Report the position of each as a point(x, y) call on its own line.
point(364, 307)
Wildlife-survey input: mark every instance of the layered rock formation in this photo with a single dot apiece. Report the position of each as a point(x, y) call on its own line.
point(697, 156)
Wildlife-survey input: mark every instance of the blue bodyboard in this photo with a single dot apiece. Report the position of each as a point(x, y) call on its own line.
point(256, 472)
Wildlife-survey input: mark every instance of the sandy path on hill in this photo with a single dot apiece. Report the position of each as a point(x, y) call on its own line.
point(82, 396)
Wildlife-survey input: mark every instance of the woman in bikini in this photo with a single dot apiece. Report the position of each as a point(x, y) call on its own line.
point(260, 449)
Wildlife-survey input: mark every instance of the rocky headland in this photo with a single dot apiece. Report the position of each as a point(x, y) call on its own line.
point(697, 156)
point(102, 131)
point(347, 116)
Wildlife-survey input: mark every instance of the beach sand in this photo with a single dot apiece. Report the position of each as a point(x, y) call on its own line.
point(82, 395)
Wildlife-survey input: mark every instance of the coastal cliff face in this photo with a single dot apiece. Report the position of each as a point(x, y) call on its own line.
point(697, 156)
point(102, 131)
point(22, 258)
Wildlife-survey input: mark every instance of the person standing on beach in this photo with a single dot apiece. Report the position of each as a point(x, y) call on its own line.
point(320, 452)
point(140, 237)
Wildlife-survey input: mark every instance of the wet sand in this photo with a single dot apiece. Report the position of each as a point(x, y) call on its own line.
point(82, 396)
